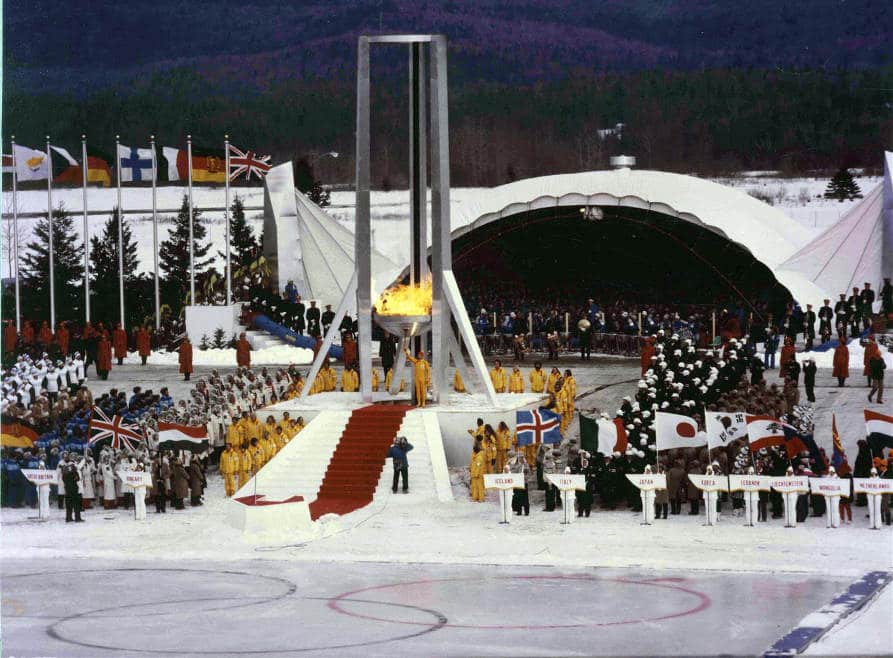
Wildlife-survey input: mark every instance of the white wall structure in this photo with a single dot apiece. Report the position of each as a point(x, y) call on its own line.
point(205, 320)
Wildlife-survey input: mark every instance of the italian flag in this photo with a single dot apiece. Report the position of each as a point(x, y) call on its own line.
point(172, 436)
point(604, 436)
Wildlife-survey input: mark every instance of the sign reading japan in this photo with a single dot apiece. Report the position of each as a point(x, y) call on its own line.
point(873, 485)
point(40, 476)
point(829, 486)
point(799, 484)
point(648, 482)
point(567, 482)
point(749, 483)
point(136, 478)
point(504, 481)
point(709, 482)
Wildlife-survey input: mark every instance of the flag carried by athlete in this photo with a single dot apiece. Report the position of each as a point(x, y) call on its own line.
point(766, 431)
point(602, 435)
point(838, 455)
point(879, 429)
point(114, 431)
point(537, 426)
point(247, 162)
point(724, 427)
point(173, 436)
point(677, 431)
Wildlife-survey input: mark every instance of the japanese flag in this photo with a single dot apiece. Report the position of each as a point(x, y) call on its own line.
point(725, 427)
point(675, 431)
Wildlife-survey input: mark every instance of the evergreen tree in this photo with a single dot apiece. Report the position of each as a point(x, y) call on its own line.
point(244, 247)
point(843, 186)
point(68, 270)
point(104, 275)
point(173, 256)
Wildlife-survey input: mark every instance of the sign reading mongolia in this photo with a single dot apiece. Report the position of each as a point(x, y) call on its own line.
point(829, 486)
point(749, 482)
point(567, 482)
point(39, 476)
point(709, 482)
point(793, 484)
point(136, 478)
point(873, 485)
point(504, 481)
point(648, 482)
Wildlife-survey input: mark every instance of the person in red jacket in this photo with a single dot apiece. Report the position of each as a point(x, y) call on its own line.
point(841, 362)
point(62, 338)
point(349, 350)
point(647, 353)
point(186, 358)
point(243, 352)
point(119, 340)
point(788, 352)
point(45, 335)
point(104, 356)
point(10, 337)
point(143, 343)
point(28, 333)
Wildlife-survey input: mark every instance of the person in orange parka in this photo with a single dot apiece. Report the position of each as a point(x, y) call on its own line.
point(787, 353)
point(143, 343)
point(647, 353)
point(28, 333)
point(871, 351)
point(841, 362)
point(349, 350)
point(10, 337)
point(243, 352)
point(104, 356)
point(186, 358)
point(119, 340)
point(62, 338)
point(45, 335)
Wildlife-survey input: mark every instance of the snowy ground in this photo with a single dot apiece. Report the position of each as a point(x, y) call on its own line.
point(866, 632)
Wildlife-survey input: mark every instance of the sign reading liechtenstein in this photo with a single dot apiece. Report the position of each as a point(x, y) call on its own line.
point(829, 486)
point(40, 477)
point(749, 483)
point(567, 482)
point(873, 485)
point(648, 482)
point(793, 484)
point(504, 481)
point(709, 482)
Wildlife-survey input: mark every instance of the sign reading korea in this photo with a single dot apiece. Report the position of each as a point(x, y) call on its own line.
point(709, 482)
point(503, 481)
point(40, 477)
point(793, 484)
point(136, 478)
point(829, 486)
point(648, 482)
point(567, 482)
point(873, 485)
point(749, 483)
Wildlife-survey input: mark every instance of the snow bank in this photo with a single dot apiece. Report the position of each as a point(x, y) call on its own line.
point(275, 355)
point(857, 353)
point(866, 632)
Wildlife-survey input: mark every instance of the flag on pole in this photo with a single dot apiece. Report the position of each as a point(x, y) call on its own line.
point(537, 426)
point(601, 435)
point(173, 436)
point(765, 431)
point(114, 431)
point(30, 164)
point(136, 164)
point(98, 171)
point(838, 455)
point(725, 427)
point(677, 431)
point(795, 443)
point(207, 165)
point(246, 162)
point(879, 429)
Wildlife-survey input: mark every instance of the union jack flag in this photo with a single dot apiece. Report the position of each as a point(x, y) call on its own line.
point(242, 162)
point(537, 426)
point(115, 431)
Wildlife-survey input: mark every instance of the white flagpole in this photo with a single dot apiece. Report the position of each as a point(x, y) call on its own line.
point(120, 234)
point(229, 274)
point(84, 168)
point(191, 250)
point(155, 233)
point(15, 235)
point(50, 223)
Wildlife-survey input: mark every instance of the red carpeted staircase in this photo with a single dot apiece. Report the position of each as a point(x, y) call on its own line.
point(355, 469)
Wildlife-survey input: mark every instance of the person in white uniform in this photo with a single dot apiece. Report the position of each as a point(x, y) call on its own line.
point(874, 506)
point(832, 504)
point(710, 500)
point(647, 501)
point(790, 503)
point(751, 502)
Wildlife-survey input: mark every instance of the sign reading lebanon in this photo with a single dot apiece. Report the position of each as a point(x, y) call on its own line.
point(503, 481)
point(648, 482)
point(40, 477)
point(136, 478)
point(793, 484)
point(709, 482)
point(873, 485)
point(567, 482)
point(749, 482)
point(829, 486)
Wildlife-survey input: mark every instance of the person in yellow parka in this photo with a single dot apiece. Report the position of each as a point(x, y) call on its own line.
point(257, 456)
point(285, 423)
point(554, 376)
point(563, 405)
point(254, 428)
point(570, 384)
point(350, 380)
point(234, 433)
point(478, 432)
point(422, 372)
point(246, 465)
point(529, 451)
point(516, 383)
point(329, 378)
point(458, 384)
point(503, 445)
point(537, 378)
point(489, 445)
point(270, 427)
point(376, 379)
point(387, 381)
point(268, 445)
point(498, 377)
point(229, 468)
point(477, 468)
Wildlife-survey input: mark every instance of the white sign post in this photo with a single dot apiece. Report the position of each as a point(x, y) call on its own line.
point(751, 485)
point(648, 483)
point(565, 482)
point(874, 488)
point(790, 487)
point(831, 489)
point(504, 482)
point(42, 479)
point(140, 481)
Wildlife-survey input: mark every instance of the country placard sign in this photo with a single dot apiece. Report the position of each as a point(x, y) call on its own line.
point(749, 483)
point(136, 478)
point(829, 486)
point(567, 482)
point(40, 477)
point(503, 481)
point(647, 482)
point(793, 484)
point(709, 482)
point(873, 485)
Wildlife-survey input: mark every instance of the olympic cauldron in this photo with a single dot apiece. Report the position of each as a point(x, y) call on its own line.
point(405, 310)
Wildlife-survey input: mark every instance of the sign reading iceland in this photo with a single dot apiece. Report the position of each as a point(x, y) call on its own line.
point(749, 483)
point(793, 484)
point(40, 476)
point(567, 482)
point(648, 482)
point(709, 482)
point(504, 481)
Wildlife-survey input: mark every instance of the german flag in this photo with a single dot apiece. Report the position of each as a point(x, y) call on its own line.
point(208, 165)
point(17, 435)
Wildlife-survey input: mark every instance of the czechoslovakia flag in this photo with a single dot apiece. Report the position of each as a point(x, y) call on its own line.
point(676, 431)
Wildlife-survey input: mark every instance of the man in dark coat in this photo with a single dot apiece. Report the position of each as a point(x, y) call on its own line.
point(826, 317)
point(387, 350)
point(397, 452)
point(179, 483)
point(327, 317)
point(841, 314)
point(196, 482)
point(161, 473)
point(313, 319)
point(675, 478)
point(70, 477)
point(866, 305)
point(809, 371)
point(809, 326)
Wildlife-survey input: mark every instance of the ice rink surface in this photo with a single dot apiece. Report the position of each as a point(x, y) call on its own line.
point(68, 607)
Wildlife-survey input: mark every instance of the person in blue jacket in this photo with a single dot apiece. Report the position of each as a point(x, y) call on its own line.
point(397, 452)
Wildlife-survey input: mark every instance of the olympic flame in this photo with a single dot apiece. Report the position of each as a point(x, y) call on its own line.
point(406, 300)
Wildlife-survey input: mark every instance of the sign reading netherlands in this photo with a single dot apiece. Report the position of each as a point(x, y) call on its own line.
point(709, 482)
point(749, 483)
point(648, 482)
point(40, 476)
point(504, 481)
point(873, 485)
point(567, 482)
point(793, 484)
point(829, 486)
